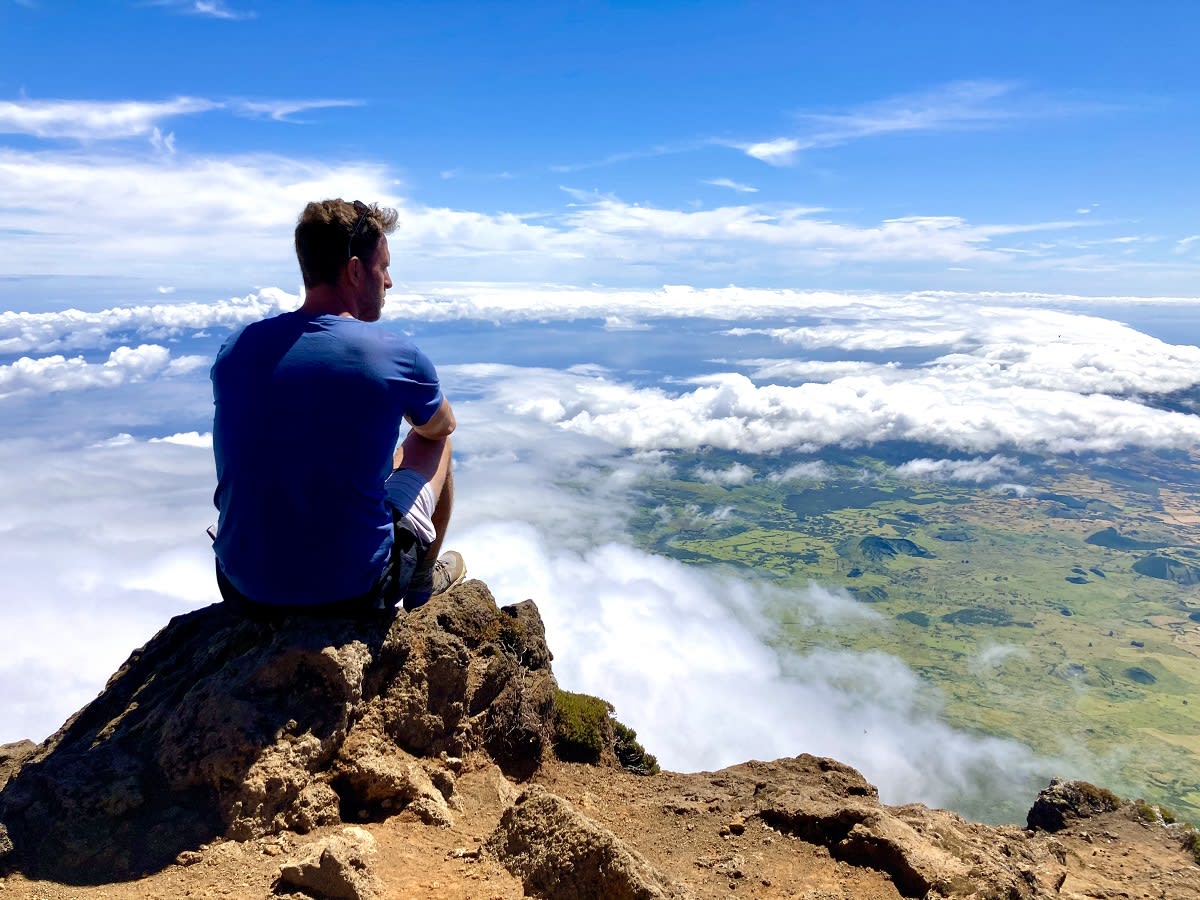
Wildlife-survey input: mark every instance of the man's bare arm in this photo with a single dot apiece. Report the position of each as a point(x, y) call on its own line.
point(440, 425)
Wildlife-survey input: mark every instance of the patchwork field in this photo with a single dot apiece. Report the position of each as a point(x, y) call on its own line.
point(1064, 613)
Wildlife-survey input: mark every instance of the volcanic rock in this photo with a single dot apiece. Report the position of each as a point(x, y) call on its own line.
point(560, 854)
point(340, 867)
point(225, 727)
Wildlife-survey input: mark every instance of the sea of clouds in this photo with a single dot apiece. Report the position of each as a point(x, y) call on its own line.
point(106, 480)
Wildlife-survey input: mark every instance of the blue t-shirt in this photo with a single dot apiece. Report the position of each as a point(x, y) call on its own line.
point(308, 414)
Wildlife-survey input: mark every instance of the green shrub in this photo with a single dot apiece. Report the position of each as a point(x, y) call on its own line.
point(584, 728)
point(630, 754)
point(1191, 842)
point(1101, 799)
point(1149, 812)
point(579, 726)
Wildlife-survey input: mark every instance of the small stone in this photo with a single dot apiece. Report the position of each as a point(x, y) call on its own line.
point(737, 825)
point(188, 858)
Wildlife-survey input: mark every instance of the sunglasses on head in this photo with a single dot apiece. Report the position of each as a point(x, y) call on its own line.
point(363, 211)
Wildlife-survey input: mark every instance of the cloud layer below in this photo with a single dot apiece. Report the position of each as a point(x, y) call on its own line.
point(104, 504)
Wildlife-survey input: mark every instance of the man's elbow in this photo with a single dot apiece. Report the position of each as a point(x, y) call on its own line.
point(440, 426)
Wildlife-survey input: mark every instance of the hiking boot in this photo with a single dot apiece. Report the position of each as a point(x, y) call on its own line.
point(448, 570)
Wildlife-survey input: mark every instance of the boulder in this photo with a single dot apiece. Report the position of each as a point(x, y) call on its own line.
point(561, 854)
point(339, 867)
point(225, 727)
point(1064, 802)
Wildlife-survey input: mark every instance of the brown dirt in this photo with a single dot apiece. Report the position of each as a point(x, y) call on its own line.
point(687, 826)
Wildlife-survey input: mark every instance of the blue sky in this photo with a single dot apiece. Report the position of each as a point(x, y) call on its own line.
point(625, 231)
point(859, 145)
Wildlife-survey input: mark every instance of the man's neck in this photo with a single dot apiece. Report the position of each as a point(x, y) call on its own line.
point(325, 300)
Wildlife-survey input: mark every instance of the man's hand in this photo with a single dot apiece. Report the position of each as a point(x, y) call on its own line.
point(440, 425)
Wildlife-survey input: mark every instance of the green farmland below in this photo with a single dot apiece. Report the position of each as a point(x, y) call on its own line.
point(1062, 610)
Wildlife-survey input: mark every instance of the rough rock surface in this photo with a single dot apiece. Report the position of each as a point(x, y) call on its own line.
point(226, 752)
point(223, 727)
point(338, 867)
point(12, 757)
point(1069, 801)
point(560, 854)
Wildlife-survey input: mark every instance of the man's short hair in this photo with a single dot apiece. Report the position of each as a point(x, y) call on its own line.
point(330, 232)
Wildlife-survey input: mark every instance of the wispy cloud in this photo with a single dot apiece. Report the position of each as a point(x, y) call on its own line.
point(779, 152)
point(212, 9)
point(732, 185)
point(626, 156)
point(733, 475)
point(90, 120)
point(280, 110)
point(955, 106)
point(98, 120)
point(977, 470)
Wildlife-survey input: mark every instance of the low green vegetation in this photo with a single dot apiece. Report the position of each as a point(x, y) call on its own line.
point(1191, 842)
point(1062, 614)
point(584, 729)
point(1148, 812)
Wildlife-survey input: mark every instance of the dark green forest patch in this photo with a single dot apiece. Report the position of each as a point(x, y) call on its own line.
point(1114, 540)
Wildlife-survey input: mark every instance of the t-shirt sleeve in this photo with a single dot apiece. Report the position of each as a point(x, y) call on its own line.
point(423, 397)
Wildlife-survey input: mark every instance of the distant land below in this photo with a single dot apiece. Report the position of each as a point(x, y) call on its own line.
point(1060, 610)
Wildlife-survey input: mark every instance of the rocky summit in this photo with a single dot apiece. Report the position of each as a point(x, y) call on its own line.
point(432, 754)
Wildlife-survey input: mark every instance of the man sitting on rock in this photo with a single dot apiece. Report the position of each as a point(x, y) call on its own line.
point(320, 511)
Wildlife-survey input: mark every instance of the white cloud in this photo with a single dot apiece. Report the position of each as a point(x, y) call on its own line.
point(1035, 348)
point(735, 474)
point(977, 470)
point(125, 364)
point(186, 439)
point(99, 547)
point(221, 220)
point(626, 156)
point(623, 323)
point(993, 657)
point(778, 152)
point(806, 471)
point(954, 410)
point(732, 185)
point(73, 329)
point(228, 220)
point(688, 644)
point(807, 370)
point(952, 106)
point(91, 120)
point(211, 9)
point(283, 110)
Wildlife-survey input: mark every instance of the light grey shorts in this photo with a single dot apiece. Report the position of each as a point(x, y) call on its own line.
point(412, 498)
